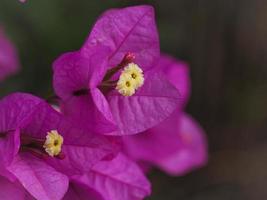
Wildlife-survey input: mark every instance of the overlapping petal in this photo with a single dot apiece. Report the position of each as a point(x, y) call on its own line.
point(33, 118)
point(131, 29)
point(12, 190)
point(82, 149)
point(15, 110)
point(118, 179)
point(78, 191)
point(153, 103)
point(177, 72)
point(9, 147)
point(181, 145)
point(74, 73)
point(39, 179)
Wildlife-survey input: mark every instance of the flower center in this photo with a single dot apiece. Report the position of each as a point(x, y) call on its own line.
point(53, 143)
point(125, 85)
point(128, 84)
point(56, 142)
point(130, 79)
point(133, 76)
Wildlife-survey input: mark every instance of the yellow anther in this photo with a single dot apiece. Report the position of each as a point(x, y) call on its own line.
point(125, 85)
point(53, 143)
point(136, 74)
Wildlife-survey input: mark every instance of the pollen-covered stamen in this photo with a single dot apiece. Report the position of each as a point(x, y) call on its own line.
point(130, 80)
point(125, 85)
point(53, 143)
point(136, 73)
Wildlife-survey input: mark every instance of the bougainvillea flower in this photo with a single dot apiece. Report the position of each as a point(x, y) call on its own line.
point(113, 81)
point(9, 63)
point(118, 179)
point(27, 126)
point(180, 141)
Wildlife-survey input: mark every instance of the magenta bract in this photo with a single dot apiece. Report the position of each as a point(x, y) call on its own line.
point(12, 190)
point(9, 63)
point(79, 77)
point(25, 121)
point(119, 179)
point(178, 142)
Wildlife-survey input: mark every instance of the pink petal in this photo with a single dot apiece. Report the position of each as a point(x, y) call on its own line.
point(131, 29)
point(102, 104)
point(82, 149)
point(177, 72)
point(81, 192)
point(75, 71)
point(153, 103)
point(16, 109)
point(119, 179)
point(194, 152)
point(83, 111)
point(9, 63)
point(9, 147)
point(11, 191)
point(181, 145)
point(71, 73)
point(39, 179)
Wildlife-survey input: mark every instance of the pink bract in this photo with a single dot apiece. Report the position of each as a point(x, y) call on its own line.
point(119, 179)
point(78, 75)
point(13, 190)
point(9, 63)
point(179, 142)
point(44, 177)
point(179, 149)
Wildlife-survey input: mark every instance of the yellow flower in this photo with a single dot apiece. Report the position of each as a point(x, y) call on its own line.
point(126, 85)
point(53, 143)
point(136, 73)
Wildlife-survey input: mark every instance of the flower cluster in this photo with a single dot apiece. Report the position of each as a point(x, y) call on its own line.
point(119, 112)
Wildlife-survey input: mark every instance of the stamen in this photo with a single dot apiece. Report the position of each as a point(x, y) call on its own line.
point(131, 78)
point(125, 85)
point(136, 73)
point(53, 143)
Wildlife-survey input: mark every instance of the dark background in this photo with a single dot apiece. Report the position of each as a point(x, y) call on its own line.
point(225, 42)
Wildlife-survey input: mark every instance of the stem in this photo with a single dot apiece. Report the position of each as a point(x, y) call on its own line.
point(128, 58)
point(35, 152)
point(108, 83)
point(28, 140)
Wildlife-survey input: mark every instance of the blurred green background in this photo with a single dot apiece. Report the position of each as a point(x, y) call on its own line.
point(225, 43)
